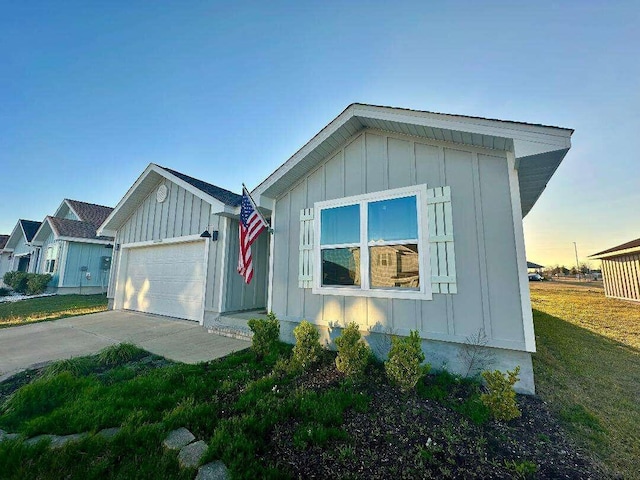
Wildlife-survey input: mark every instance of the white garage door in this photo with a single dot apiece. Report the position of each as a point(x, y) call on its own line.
point(166, 280)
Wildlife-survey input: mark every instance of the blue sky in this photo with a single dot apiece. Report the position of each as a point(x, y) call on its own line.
point(91, 92)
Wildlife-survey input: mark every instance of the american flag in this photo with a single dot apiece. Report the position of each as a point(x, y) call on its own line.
point(251, 225)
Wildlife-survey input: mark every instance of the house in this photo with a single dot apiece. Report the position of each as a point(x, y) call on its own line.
point(396, 219)
point(4, 258)
point(176, 249)
point(18, 253)
point(70, 251)
point(621, 270)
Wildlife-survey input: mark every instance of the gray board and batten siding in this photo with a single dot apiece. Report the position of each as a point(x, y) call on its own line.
point(488, 291)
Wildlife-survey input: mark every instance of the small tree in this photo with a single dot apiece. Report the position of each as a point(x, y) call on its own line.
point(405, 358)
point(501, 399)
point(307, 349)
point(266, 333)
point(353, 353)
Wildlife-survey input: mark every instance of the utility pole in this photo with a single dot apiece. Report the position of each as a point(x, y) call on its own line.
point(575, 248)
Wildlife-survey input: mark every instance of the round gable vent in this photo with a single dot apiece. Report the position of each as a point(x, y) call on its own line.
point(161, 194)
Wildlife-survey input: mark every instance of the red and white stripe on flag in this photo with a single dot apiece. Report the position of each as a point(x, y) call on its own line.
point(251, 225)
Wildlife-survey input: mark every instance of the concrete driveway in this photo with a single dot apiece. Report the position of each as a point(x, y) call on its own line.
point(180, 340)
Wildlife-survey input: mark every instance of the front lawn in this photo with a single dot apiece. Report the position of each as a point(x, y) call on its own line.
point(588, 368)
point(49, 308)
point(263, 422)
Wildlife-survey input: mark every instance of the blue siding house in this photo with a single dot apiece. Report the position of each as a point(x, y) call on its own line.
point(17, 253)
point(69, 249)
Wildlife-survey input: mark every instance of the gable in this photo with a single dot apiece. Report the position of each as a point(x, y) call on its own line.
point(537, 149)
point(148, 182)
point(181, 213)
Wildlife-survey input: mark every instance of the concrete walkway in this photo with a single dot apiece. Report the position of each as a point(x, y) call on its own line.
point(180, 340)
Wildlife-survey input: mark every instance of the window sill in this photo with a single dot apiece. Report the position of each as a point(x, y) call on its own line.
point(376, 293)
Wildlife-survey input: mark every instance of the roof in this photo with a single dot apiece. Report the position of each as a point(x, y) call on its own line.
point(534, 265)
point(628, 247)
point(217, 197)
point(3, 241)
point(90, 212)
point(537, 149)
point(225, 196)
point(29, 227)
point(64, 227)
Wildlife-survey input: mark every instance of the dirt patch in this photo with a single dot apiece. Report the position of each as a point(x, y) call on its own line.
point(406, 436)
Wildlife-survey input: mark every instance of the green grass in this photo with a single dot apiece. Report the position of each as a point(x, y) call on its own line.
point(232, 403)
point(49, 308)
point(588, 369)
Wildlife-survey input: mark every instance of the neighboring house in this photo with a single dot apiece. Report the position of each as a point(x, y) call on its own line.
point(621, 270)
point(18, 252)
point(534, 267)
point(4, 258)
point(396, 219)
point(163, 265)
point(70, 251)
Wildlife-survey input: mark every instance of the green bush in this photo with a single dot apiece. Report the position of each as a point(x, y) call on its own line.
point(405, 358)
point(266, 332)
point(308, 349)
point(4, 292)
point(17, 281)
point(37, 283)
point(27, 283)
point(353, 353)
point(501, 399)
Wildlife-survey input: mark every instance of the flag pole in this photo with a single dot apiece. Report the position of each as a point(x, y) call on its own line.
point(255, 207)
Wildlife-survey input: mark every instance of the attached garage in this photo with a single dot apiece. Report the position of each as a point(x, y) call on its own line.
point(176, 250)
point(166, 280)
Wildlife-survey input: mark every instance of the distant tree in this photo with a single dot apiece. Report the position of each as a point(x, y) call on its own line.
point(585, 267)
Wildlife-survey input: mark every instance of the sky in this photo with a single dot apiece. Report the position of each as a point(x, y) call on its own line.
point(92, 92)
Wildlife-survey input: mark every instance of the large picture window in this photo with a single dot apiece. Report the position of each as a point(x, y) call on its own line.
point(374, 245)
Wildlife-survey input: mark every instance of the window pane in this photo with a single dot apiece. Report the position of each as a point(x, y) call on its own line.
point(341, 266)
point(395, 219)
point(340, 225)
point(394, 266)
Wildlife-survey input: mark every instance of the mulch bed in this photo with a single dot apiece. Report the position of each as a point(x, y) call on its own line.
point(405, 436)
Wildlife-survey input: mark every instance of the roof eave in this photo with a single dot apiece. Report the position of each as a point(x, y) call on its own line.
point(616, 253)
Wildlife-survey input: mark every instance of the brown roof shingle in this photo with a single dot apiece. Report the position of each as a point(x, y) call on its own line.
point(63, 227)
point(90, 212)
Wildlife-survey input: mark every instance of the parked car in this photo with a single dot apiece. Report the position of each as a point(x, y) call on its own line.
point(535, 277)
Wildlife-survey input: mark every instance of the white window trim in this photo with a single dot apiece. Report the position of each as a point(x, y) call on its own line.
point(364, 290)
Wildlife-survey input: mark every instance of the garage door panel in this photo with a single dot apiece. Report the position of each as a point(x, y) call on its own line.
point(166, 280)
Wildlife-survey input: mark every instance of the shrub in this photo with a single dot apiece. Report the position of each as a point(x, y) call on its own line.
point(4, 292)
point(501, 399)
point(27, 283)
point(353, 353)
point(308, 349)
point(37, 283)
point(266, 332)
point(17, 281)
point(405, 357)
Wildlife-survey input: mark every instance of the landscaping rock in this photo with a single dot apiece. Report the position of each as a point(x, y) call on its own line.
point(108, 432)
point(7, 436)
point(40, 438)
point(178, 439)
point(60, 441)
point(189, 456)
point(213, 471)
